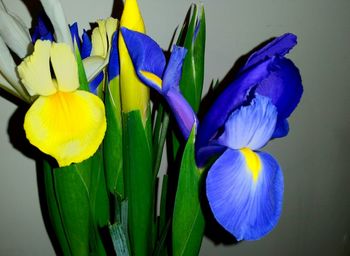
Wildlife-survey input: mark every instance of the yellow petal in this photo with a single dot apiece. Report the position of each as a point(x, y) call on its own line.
point(68, 126)
point(131, 17)
point(99, 40)
point(35, 70)
point(111, 27)
point(134, 94)
point(65, 67)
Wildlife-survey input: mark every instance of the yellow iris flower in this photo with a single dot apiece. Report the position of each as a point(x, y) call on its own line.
point(64, 122)
point(135, 95)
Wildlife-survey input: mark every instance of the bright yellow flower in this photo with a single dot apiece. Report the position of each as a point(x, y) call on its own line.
point(64, 122)
point(135, 95)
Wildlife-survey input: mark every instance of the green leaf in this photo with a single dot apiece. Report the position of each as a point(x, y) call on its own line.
point(139, 182)
point(83, 204)
point(191, 83)
point(53, 209)
point(84, 84)
point(188, 220)
point(113, 141)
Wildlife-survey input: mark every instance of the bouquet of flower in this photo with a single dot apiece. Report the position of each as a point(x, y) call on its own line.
point(102, 104)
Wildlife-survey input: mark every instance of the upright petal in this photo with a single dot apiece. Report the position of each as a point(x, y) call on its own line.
point(283, 86)
point(173, 72)
point(54, 11)
point(113, 64)
point(132, 18)
point(245, 193)
point(65, 67)
point(86, 46)
point(99, 40)
point(35, 70)
point(14, 33)
point(280, 46)
point(68, 126)
point(250, 126)
point(231, 98)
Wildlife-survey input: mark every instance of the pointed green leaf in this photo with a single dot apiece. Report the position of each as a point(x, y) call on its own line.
point(188, 220)
point(84, 84)
point(139, 182)
point(113, 144)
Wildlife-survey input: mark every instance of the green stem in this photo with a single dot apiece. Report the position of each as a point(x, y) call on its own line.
point(161, 142)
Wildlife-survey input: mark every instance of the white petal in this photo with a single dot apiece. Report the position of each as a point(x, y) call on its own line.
point(54, 11)
point(93, 66)
point(15, 35)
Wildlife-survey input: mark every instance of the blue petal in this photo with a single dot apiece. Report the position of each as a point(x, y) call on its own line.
point(250, 126)
point(145, 54)
point(86, 46)
point(282, 129)
point(247, 208)
point(280, 46)
point(113, 65)
point(75, 34)
point(172, 74)
point(283, 86)
point(96, 82)
point(43, 29)
point(231, 98)
point(183, 112)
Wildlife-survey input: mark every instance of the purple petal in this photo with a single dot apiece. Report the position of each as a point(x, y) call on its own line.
point(250, 126)
point(231, 98)
point(172, 74)
point(145, 54)
point(86, 46)
point(183, 112)
point(283, 86)
point(245, 206)
point(113, 65)
point(280, 46)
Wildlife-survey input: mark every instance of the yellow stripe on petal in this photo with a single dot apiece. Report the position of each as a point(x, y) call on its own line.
point(65, 67)
point(253, 162)
point(68, 126)
point(152, 77)
point(35, 70)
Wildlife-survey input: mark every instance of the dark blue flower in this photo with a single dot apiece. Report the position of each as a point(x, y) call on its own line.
point(150, 66)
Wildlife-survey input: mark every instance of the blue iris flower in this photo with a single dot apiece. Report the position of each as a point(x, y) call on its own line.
point(244, 186)
point(150, 66)
point(85, 47)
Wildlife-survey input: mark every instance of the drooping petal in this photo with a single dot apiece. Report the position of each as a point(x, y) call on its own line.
point(147, 57)
point(250, 126)
point(280, 46)
point(283, 86)
point(183, 112)
point(231, 98)
point(172, 75)
point(282, 128)
point(93, 66)
point(68, 126)
point(113, 64)
point(35, 70)
point(65, 67)
point(245, 193)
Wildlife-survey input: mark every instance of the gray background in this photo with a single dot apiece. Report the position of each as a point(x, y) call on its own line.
point(314, 157)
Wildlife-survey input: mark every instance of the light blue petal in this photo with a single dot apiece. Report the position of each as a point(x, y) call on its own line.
point(250, 126)
point(247, 208)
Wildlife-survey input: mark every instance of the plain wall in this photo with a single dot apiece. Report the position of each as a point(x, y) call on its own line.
point(314, 157)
